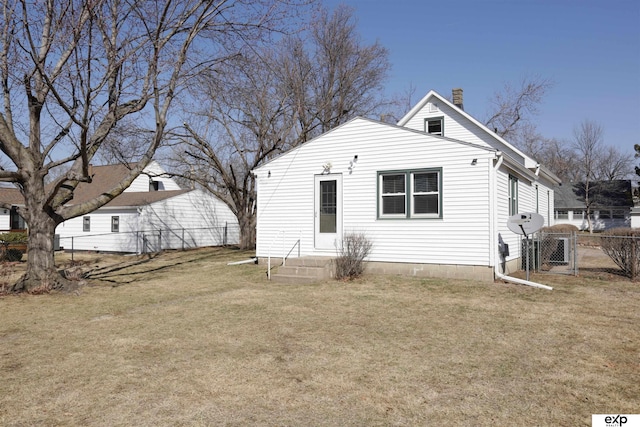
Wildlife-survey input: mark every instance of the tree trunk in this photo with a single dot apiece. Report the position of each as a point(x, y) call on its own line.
point(247, 223)
point(41, 275)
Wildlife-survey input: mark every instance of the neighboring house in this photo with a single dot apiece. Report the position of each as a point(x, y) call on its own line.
point(433, 194)
point(9, 218)
point(152, 214)
point(611, 203)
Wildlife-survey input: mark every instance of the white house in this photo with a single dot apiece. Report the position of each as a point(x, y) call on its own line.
point(433, 194)
point(611, 204)
point(153, 213)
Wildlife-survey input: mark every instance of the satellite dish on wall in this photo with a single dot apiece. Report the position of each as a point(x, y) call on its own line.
point(525, 223)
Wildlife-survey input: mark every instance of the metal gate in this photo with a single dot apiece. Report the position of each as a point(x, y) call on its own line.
point(555, 253)
point(151, 242)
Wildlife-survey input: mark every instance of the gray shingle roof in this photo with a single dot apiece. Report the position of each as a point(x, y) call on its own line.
point(104, 179)
point(611, 194)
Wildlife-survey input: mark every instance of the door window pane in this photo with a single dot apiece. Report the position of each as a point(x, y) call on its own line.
point(328, 205)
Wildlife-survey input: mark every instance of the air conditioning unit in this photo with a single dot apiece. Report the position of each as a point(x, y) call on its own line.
point(560, 254)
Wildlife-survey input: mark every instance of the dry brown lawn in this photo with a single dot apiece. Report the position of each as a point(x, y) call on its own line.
point(184, 339)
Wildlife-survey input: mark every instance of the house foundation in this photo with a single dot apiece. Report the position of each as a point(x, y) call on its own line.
point(445, 271)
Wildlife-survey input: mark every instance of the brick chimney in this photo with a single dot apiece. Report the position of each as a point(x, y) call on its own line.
point(457, 98)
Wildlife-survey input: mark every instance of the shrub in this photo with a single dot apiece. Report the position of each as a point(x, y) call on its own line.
point(350, 261)
point(622, 245)
point(561, 228)
point(13, 237)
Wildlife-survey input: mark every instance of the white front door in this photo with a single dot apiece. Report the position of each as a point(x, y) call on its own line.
point(328, 211)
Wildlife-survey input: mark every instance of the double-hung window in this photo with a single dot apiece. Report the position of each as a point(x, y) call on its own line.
point(115, 224)
point(513, 195)
point(425, 194)
point(410, 194)
point(393, 195)
point(86, 223)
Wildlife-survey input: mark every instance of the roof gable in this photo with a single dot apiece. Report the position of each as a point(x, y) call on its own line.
point(132, 199)
point(498, 142)
point(345, 127)
point(104, 178)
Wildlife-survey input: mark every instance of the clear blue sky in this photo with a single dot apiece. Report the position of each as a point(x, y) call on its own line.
point(590, 49)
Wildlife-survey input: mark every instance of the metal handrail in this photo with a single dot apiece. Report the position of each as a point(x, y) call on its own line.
point(284, 253)
point(269, 252)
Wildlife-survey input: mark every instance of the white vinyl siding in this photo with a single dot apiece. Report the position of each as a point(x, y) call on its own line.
point(5, 223)
point(153, 173)
point(194, 217)
point(285, 201)
point(458, 127)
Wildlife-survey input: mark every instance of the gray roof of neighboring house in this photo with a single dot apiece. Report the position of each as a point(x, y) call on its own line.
point(104, 178)
point(613, 194)
point(144, 198)
point(11, 196)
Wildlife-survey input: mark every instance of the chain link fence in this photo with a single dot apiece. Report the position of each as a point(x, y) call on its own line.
point(149, 241)
point(576, 253)
point(615, 255)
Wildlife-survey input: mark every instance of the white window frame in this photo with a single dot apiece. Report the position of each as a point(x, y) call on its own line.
point(513, 195)
point(86, 224)
point(434, 119)
point(414, 193)
point(382, 195)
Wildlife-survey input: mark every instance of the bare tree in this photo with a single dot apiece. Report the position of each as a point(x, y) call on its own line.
point(244, 119)
point(332, 75)
point(588, 145)
point(614, 164)
point(72, 71)
point(512, 107)
point(279, 97)
point(399, 105)
point(636, 147)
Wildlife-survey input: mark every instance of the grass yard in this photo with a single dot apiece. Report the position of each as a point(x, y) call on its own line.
point(184, 339)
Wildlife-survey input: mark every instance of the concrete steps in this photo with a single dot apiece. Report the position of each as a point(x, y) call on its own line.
point(304, 270)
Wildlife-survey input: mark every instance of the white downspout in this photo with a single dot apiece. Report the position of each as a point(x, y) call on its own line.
point(498, 274)
point(521, 281)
